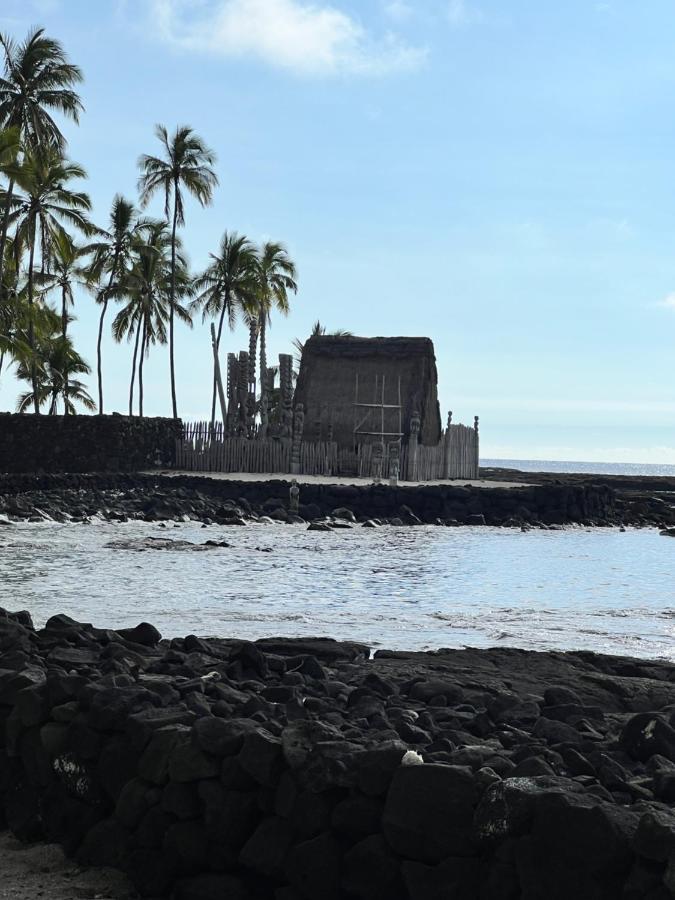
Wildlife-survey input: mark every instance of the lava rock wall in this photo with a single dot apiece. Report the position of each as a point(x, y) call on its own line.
point(30, 443)
point(298, 770)
point(157, 498)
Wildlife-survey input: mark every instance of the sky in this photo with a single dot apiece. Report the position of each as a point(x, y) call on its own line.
point(496, 174)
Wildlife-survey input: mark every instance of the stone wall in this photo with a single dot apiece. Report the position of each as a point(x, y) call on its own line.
point(299, 770)
point(327, 380)
point(31, 443)
point(156, 497)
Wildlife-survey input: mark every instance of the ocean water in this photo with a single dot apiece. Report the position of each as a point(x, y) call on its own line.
point(591, 468)
point(401, 588)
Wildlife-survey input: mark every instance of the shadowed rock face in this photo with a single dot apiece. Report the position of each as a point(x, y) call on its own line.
point(327, 384)
point(302, 769)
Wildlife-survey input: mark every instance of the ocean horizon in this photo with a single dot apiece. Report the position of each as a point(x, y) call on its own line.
point(580, 467)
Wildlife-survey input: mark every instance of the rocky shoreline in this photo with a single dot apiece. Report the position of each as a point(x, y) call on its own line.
point(154, 498)
point(305, 770)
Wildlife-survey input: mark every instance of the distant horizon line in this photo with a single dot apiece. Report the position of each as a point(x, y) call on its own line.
point(491, 461)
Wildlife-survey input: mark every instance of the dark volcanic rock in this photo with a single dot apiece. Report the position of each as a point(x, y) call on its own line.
point(429, 811)
point(648, 734)
point(302, 769)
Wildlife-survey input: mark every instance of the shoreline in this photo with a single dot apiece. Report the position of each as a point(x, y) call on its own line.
point(362, 777)
point(549, 503)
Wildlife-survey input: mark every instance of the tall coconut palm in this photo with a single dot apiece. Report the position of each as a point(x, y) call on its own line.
point(10, 146)
point(111, 261)
point(67, 267)
point(9, 150)
point(60, 365)
point(187, 165)
point(147, 289)
point(37, 81)
point(13, 312)
point(45, 205)
point(227, 285)
point(276, 276)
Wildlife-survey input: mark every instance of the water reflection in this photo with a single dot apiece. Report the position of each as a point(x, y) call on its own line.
point(401, 588)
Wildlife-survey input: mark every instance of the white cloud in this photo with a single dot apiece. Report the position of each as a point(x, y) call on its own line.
point(668, 301)
point(459, 12)
point(302, 37)
point(398, 10)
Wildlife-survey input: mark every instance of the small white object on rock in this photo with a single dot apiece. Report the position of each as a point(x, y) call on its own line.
point(411, 758)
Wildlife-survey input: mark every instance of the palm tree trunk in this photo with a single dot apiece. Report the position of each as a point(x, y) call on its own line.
point(133, 370)
point(31, 327)
point(64, 313)
point(99, 369)
point(226, 304)
point(140, 371)
point(99, 362)
point(5, 226)
point(174, 405)
point(64, 330)
point(263, 376)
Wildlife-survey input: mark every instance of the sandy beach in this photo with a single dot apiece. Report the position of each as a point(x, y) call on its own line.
point(41, 870)
point(334, 479)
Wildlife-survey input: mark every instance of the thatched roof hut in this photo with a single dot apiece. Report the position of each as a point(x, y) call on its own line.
point(358, 389)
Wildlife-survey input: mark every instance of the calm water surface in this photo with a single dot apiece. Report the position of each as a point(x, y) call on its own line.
point(392, 587)
point(592, 468)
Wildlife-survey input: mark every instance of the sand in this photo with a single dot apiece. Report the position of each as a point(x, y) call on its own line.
point(31, 871)
point(330, 479)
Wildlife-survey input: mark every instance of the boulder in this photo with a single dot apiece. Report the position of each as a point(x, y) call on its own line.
point(647, 734)
point(313, 868)
point(428, 813)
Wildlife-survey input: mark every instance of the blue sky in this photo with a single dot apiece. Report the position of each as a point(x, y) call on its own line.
point(496, 174)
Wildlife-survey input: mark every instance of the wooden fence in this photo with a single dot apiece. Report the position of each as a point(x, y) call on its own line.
point(233, 454)
point(206, 449)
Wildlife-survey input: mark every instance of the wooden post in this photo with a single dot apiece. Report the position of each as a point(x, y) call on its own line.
point(477, 463)
point(232, 388)
point(298, 428)
point(447, 468)
point(219, 380)
point(286, 384)
point(394, 462)
point(244, 422)
point(413, 444)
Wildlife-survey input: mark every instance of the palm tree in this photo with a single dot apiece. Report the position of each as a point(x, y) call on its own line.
point(112, 257)
point(227, 285)
point(66, 268)
point(187, 165)
point(147, 289)
point(37, 80)
point(13, 312)
point(276, 275)
point(59, 366)
point(9, 150)
point(317, 331)
point(45, 204)
point(10, 146)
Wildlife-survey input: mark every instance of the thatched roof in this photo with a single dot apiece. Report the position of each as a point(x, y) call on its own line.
point(357, 347)
point(332, 365)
